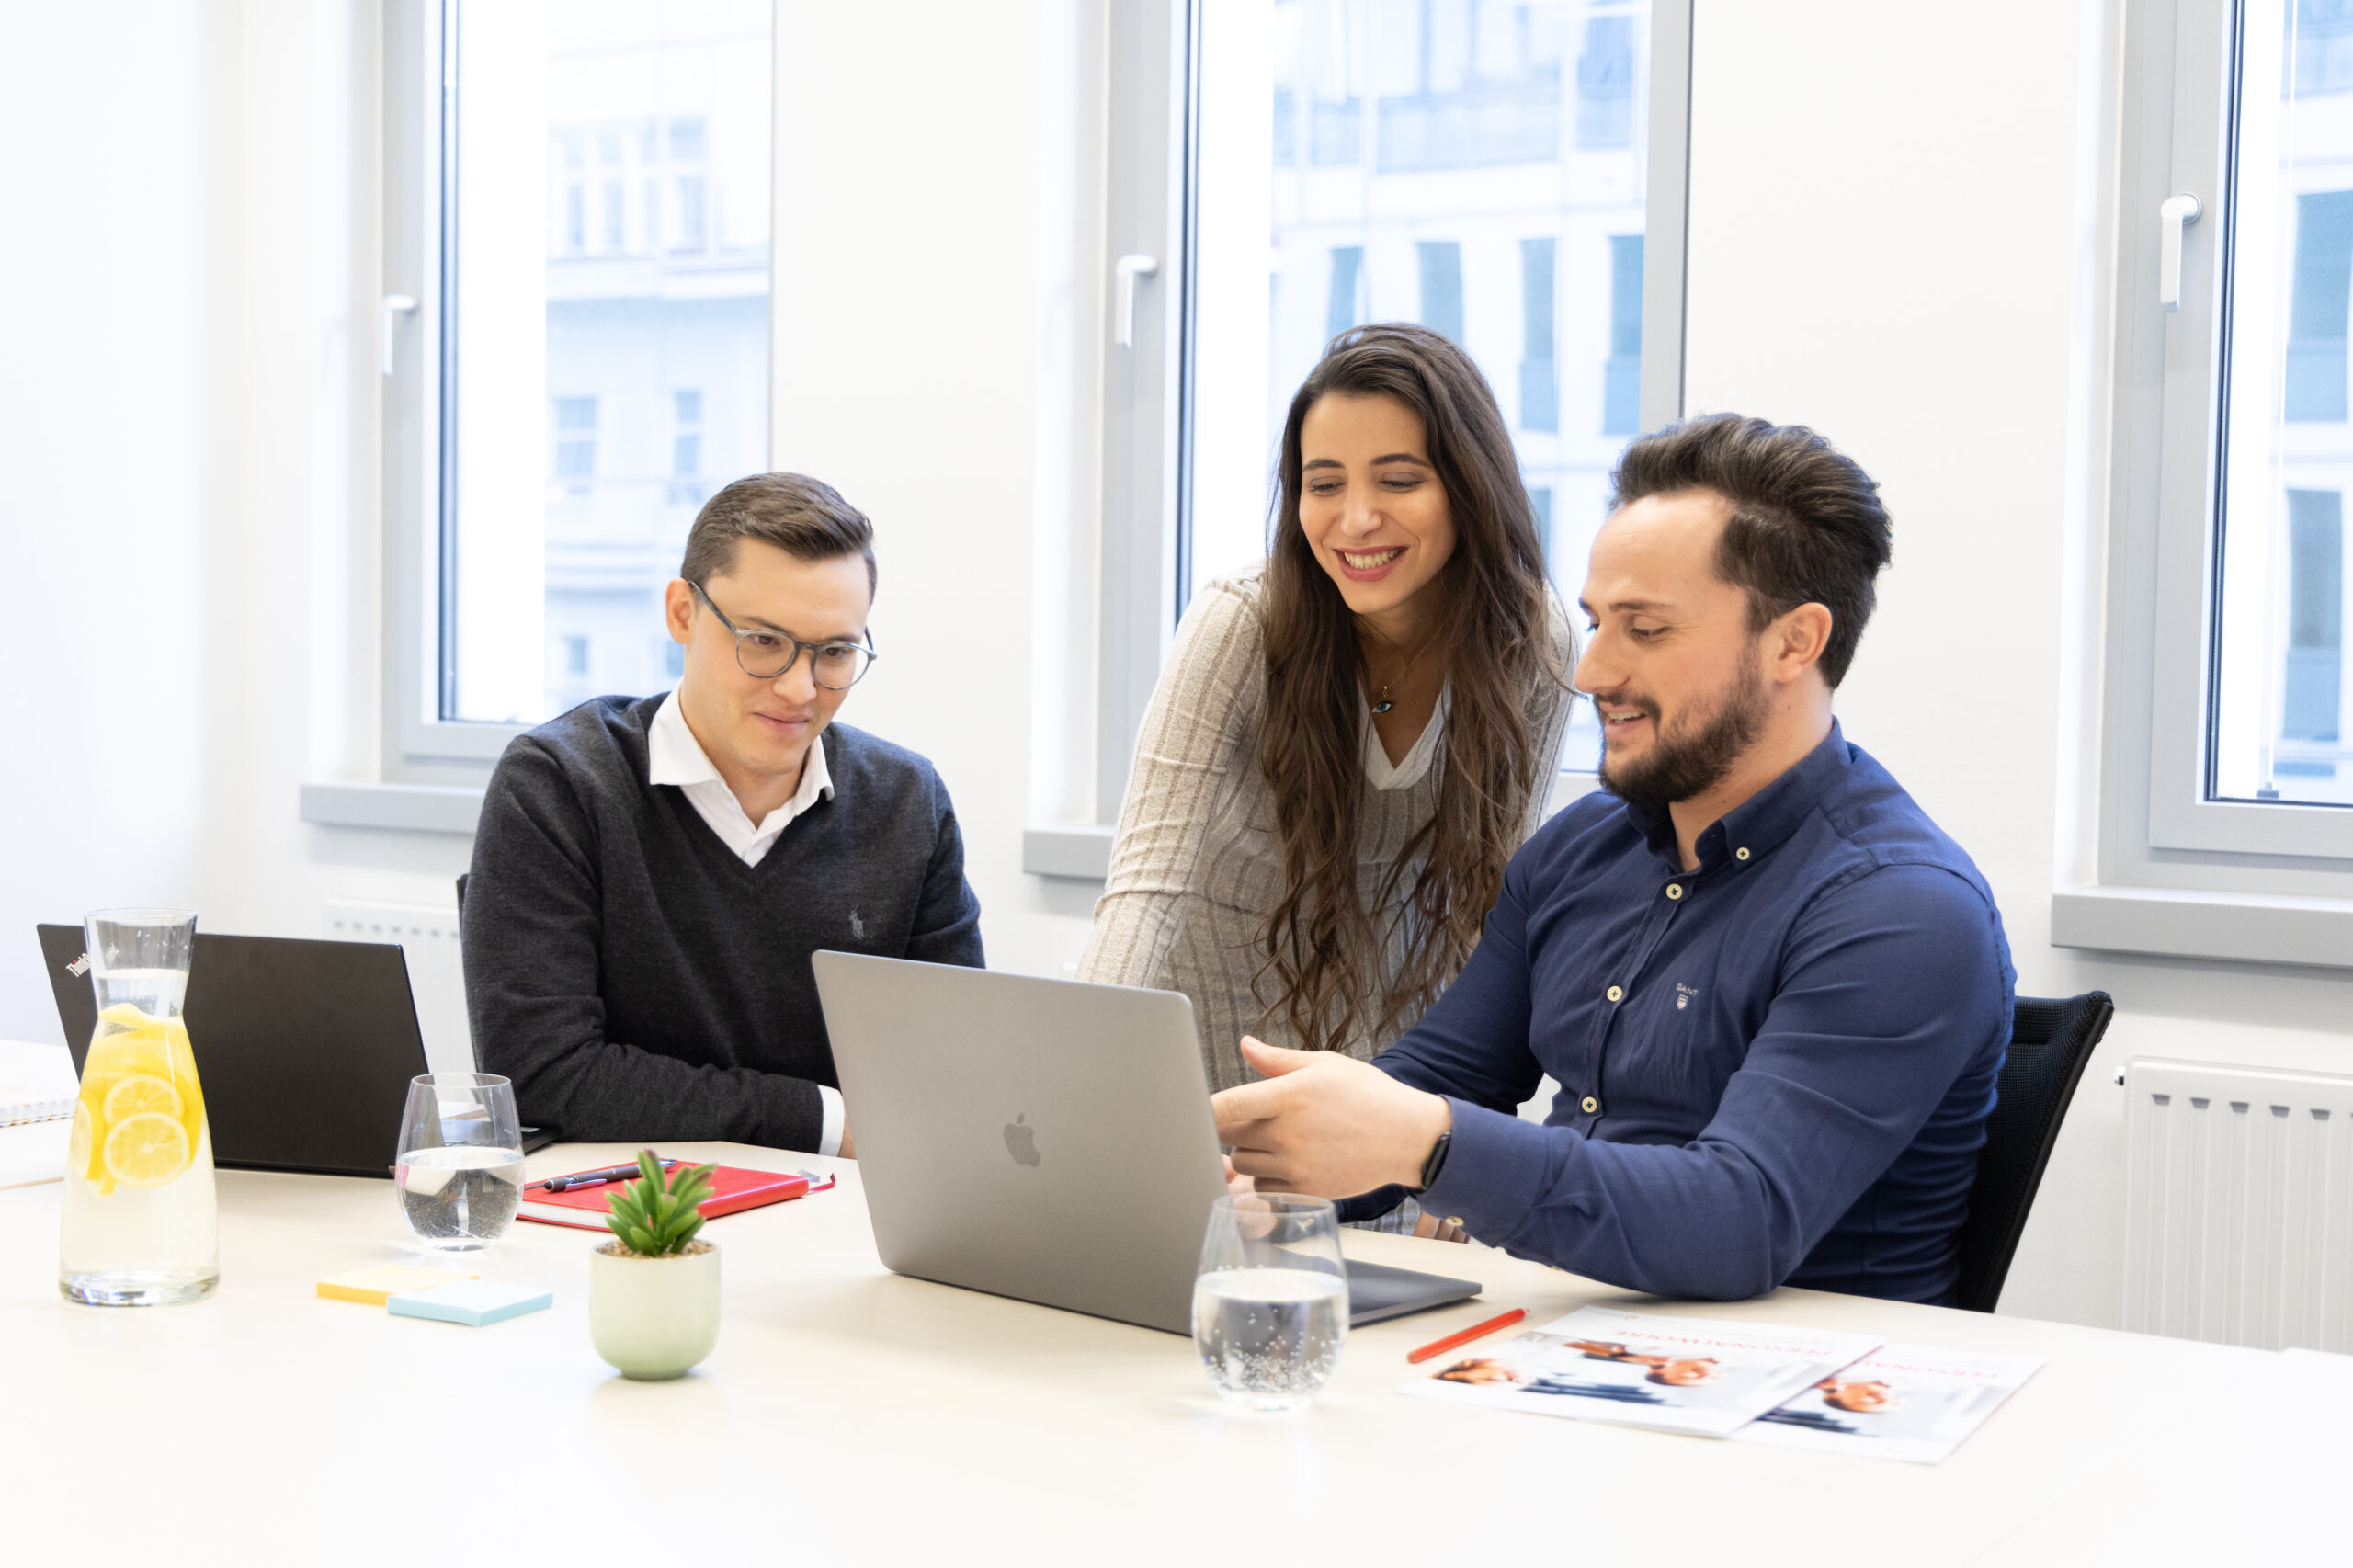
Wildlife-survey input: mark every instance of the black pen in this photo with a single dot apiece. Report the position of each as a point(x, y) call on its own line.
point(590, 1178)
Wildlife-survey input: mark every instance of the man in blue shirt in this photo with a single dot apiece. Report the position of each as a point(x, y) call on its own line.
point(1774, 996)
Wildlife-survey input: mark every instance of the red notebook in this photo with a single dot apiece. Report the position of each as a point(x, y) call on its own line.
point(732, 1188)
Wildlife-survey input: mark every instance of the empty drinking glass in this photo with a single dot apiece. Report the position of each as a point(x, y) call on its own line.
point(459, 1167)
point(1270, 1309)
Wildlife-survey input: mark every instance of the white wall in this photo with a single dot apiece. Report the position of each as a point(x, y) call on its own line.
point(937, 347)
point(1895, 238)
point(185, 544)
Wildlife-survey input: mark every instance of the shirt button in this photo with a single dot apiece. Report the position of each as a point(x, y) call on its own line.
point(1675, 889)
point(1741, 854)
point(1590, 1105)
point(1615, 993)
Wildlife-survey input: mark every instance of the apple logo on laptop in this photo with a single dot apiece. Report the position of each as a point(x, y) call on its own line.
point(1021, 1140)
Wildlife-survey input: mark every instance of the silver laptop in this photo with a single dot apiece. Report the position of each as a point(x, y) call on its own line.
point(1044, 1140)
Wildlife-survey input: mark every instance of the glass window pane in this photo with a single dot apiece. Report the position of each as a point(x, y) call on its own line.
point(608, 356)
point(1475, 165)
point(2278, 704)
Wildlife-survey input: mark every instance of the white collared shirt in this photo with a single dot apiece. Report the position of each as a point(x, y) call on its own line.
point(675, 756)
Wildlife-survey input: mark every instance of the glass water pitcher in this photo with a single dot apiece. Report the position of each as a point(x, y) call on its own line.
point(140, 1226)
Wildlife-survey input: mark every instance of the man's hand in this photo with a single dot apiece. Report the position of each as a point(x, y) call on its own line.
point(1325, 1124)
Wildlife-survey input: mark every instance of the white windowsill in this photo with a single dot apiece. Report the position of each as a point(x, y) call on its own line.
point(407, 808)
point(1081, 853)
point(2180, 923)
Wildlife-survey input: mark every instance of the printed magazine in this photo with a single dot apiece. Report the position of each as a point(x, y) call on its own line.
point(1901, 1402)
point(1700, 1375)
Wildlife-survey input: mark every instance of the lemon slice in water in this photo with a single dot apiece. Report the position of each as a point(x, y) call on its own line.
point(147, 1149)
point(142, 1091)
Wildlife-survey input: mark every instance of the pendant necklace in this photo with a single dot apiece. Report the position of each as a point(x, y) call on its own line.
point(1383, 704)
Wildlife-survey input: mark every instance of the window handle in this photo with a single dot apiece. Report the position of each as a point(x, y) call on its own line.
point(388, 312)
point(1124, 272)
point(2177, 213)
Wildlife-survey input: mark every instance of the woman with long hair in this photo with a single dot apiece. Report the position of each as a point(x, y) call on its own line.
point(1348, 744)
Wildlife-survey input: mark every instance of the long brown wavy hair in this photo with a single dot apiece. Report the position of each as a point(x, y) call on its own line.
point(1323, 945)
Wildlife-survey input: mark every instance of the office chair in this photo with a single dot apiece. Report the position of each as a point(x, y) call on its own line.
point(2050, 1038)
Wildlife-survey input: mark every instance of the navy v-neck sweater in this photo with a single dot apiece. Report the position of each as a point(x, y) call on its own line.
point(639, 981)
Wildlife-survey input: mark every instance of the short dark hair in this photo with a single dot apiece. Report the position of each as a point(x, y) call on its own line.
point(801, 516)
point(1807, 525)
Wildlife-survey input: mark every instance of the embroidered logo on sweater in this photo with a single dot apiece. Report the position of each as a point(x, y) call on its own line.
point(857, 926)
point(1683, 994)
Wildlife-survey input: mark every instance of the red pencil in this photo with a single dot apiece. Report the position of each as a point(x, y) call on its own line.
point(1440, 1346)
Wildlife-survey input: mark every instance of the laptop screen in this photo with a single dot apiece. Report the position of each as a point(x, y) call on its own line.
point(305, 1049)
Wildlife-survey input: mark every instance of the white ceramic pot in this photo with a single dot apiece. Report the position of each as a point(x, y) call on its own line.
point(653, 1317)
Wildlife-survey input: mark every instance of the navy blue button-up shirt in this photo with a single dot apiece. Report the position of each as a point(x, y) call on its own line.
point(1776, 1067)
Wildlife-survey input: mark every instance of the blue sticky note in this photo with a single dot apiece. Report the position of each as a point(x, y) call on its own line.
point(474, 1302)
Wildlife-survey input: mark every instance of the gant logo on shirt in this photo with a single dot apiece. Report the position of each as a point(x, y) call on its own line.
point(1683, 994)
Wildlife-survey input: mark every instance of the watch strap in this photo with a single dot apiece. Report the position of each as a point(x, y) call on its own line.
point(1436, 1161)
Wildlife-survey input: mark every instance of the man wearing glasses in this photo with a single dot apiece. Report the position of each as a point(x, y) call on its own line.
point(651, 874)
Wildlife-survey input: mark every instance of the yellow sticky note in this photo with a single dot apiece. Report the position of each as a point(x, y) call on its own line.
point(372, 1286)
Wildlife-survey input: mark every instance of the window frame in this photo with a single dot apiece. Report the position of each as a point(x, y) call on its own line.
point(417, 343)
point(1152, 147)
point(420, 515)
point(1150, 142)
point(2175, 872)
point(2189, 510)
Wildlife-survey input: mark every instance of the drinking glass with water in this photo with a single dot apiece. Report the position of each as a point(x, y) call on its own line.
point(1270, 1309)
point(459, 1167)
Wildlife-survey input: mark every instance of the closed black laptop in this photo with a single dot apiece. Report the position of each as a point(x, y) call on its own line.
point(305, 1049)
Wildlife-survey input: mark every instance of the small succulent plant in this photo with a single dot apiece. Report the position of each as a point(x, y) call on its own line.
point(654, 1219)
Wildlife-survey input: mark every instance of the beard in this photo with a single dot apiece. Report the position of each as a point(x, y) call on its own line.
point(1693, 760)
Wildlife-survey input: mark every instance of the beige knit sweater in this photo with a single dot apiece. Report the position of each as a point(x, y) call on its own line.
point(1196, 865)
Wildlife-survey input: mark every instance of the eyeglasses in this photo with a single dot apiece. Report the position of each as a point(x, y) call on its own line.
point(766, 655)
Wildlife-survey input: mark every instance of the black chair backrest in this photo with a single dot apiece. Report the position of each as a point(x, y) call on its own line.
point(2050, 1038)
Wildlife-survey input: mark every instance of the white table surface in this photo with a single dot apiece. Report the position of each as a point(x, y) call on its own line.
point(852, 1415)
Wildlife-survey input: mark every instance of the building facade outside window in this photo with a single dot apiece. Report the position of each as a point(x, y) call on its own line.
point(685, 447)
point(588, 235)
point(1479, 166)
point(1441, 271)
point(1540, 386)
point(1621, 372)
point(574, 469)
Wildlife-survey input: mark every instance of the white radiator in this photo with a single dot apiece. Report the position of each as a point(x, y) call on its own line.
point(2238, 1204)
point(435, 976)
